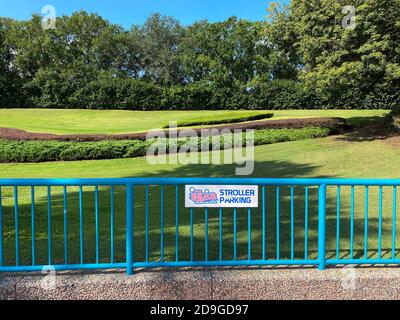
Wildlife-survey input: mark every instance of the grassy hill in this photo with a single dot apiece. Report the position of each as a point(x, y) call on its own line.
point(61, 121)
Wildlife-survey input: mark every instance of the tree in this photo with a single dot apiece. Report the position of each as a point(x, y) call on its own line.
point(158, 40)
point(347, 66)
point(226, 53)
point(54, 64)
point(11, 94)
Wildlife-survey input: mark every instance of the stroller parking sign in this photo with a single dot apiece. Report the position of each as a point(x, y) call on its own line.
point(221, 196)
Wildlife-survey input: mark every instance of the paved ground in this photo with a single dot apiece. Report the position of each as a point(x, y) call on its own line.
point(255, 283)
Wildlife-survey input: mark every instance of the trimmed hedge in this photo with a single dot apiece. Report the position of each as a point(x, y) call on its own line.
point(133, 94)
point(223, 121)
point(44, 151)
point(270, 136)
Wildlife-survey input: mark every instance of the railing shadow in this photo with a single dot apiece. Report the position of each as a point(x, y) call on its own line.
point(266, 168)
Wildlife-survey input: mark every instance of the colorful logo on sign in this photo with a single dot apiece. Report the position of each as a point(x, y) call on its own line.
point(198, 196)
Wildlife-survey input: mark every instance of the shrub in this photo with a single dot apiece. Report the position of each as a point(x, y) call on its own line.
point(278, 94)
point(191, 123)
point(43, 151)
point(108, 92)
point(127, 94)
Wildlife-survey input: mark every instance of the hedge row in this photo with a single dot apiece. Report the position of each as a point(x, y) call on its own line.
point(43, 151)
point(192, 123)
point(131, 94)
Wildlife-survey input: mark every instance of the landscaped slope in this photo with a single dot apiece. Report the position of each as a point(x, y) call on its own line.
point(337, 156)
point(119, 121)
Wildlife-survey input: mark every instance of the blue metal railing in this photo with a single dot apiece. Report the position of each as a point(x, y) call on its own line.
point(48, 228)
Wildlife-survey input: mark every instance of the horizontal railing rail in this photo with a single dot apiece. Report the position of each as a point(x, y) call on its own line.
point(226, 181)
point(130, 223)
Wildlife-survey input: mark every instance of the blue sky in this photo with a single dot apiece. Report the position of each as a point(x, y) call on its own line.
point(128, 12)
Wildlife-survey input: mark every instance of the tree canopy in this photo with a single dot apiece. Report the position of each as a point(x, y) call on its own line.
point(302, 55)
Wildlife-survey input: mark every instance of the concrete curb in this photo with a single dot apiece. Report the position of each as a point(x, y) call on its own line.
point(206, 284)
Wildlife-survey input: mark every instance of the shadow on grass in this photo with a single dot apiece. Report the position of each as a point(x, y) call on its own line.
point(279, 242)
point(368, 129)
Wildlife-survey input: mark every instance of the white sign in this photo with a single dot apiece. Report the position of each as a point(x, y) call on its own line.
point(221, 196)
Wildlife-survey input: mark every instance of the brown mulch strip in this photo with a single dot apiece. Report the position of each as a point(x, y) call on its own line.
point(393, 141)
point(21, 135)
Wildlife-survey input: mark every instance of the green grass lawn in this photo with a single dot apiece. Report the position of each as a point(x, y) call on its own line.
point(118, 121)
point(326, 157)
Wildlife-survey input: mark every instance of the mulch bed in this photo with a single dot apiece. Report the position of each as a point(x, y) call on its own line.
point(393, 141)
point(21, 135)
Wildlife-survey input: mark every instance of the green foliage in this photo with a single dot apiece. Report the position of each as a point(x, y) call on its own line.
point(227, 53)
point(43, 151)
point(10, 83)
point(262, 137)
point(280, 94)
point(300, 57)
point(355, 67)
point(46, 151)
point(395, 115)
point(159, 40)
point(117, 93)
point(191, 123)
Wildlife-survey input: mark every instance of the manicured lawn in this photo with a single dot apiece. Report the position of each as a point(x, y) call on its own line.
point(104, 121)
point(326, 157)
point(118, 121)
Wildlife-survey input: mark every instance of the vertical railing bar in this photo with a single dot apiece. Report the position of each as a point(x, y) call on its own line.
point(96, 196)
point(291, 223)
point(162, 223)
point(234, 233)
point(394, 222)
point(81, 240)
point(191, 236)
point(220, 234)
point(206, 235)
point(249, 233)
point(65, 227)
point(147, 223)
point(1, 228)
point(352, 223)
point(380, 224)
point(264, 255)
point(49, 229)
point(338, 200)
point(129, 229)
point(112, 209)
point(366, 209)
point(16, 225)
point(277, 222)
point(306, 223)
point(322, 227)
point(177, 223)
point(33, 226)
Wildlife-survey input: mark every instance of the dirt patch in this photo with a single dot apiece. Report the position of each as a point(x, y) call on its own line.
point(393, 141)
point(21, 135)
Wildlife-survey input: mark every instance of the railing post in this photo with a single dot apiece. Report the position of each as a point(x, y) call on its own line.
point(129, 229)
point(1, 229)
point(322, 227)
